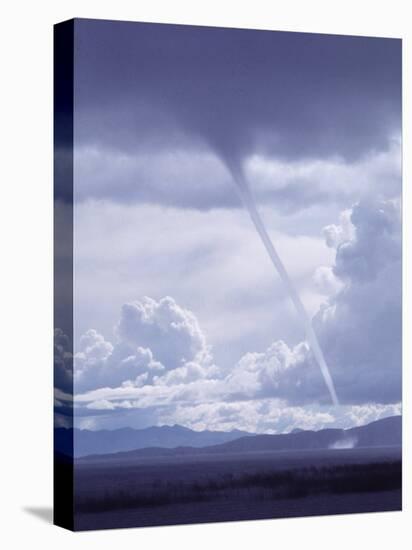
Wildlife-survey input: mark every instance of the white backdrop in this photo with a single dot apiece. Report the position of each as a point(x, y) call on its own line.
point(26, 271)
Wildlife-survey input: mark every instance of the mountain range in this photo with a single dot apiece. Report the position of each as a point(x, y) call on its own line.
point(88, 442)
point(178, 441)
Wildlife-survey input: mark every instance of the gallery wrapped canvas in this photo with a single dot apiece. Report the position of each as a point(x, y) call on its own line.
point(228, 274)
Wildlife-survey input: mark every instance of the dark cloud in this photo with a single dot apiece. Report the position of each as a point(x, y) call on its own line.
point(142, 87)
point(377, 244)
point(146, 88)
point(361, 328)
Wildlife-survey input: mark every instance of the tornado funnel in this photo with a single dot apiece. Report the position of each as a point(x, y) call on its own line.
point(250, 205)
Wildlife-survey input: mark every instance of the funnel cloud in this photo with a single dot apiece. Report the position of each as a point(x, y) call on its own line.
point(250, 205)
point(181, 133)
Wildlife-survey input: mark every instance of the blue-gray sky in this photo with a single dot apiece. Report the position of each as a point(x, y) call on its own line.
point(180, 317)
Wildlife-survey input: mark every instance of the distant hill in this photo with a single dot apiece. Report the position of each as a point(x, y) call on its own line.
point(88, 442)
point(385, 432)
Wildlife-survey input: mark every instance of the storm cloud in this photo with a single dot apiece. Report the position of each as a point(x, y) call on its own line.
point(206, 337)
point(225, 93)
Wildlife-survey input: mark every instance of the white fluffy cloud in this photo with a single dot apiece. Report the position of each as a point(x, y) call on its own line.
point(121, 366)
point(258, 415)
point(210, 262)
point(280, 371)
point(335, 235)
point(359, 327)
point(63, 362)
point(262, 416)
point(161, 362)
point(358, 415)
point(273, 416)
point(165, 327)
point(158, 342)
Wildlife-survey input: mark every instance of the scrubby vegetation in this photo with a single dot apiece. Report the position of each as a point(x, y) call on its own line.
point(265, 485)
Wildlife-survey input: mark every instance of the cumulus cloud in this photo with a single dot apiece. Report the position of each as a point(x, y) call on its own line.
point(161, 363)
point(158, 342)
point(102, 405)
point(258, 415)
point(360, 327)
point(211, 262)
point(261, 416)
point(358, 415)
point(94, 347)
point(63, 362)
point(326, 281)
point(279, 372)
point(376, 245)
point(122, 366)
point(335, 235)
point(165, 327)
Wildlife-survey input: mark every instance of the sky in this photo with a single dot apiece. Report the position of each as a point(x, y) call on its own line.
point(180, 317)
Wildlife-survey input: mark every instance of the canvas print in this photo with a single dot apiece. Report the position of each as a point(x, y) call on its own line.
point(228, 274)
